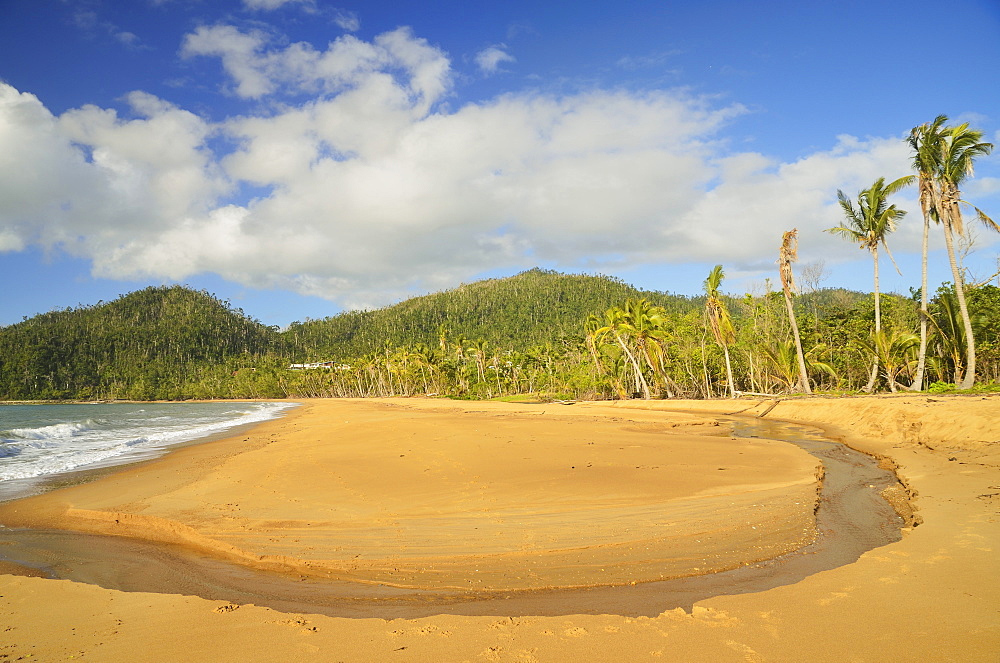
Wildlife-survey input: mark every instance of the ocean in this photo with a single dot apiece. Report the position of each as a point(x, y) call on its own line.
point(38, 442)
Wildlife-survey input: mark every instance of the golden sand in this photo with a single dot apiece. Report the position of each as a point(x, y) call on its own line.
point(426, 495)
point(486, 495)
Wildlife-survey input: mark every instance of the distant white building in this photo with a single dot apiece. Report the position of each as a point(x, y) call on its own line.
point(329, 365)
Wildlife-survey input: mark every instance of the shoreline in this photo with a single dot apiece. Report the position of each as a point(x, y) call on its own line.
point(930, 596)
point(37, 485)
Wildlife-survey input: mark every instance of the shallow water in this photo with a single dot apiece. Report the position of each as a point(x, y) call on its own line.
point(852, 518)
point(39, 442)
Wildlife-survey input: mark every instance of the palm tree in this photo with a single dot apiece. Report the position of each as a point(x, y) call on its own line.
point(719, 322)
point(616, 322)
point(786, 256)
point(925, 142)
point(948, 334)
point(961, 147)
point(893, 351)
point(868, 224)
point(781, 362)
point(945, 157)
point(646, 325)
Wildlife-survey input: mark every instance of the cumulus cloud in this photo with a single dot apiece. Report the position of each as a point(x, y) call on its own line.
point(372, 188)
point(94, 183)
point(489, 59)
point(259, 69)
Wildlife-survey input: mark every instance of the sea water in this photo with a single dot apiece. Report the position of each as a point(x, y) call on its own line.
point(40, 441)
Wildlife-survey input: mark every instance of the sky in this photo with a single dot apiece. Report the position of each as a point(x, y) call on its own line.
point(298, 158)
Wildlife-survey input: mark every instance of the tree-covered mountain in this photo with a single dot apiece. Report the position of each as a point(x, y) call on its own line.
point(147, 344)
point(532, 308)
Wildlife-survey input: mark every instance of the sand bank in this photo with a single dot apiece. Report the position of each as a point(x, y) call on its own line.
point(462, 497)
point(932, 596)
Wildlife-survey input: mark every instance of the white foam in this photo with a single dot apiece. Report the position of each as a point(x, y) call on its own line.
point(29, 452)
point(55, 431)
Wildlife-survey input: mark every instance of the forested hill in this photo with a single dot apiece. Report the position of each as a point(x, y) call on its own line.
point(530, 309)
point(525, 332)
point(146, 344)
point(174, 342)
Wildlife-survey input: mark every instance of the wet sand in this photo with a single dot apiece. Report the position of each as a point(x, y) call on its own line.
point(931, 596)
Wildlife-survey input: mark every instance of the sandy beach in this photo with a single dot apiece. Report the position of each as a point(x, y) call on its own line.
point(418, 499)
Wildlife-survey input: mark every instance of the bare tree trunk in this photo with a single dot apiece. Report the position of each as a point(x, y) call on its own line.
point(729, 373)
point(878, 325)
point(970, 342)
point(786, 256)
point(803, 375)
point(918, 380)
point(640, 379)
point(704, 368)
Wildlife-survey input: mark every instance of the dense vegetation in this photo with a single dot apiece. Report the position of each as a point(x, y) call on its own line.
point(158, 343)
point(542, 333)
point(530, 309)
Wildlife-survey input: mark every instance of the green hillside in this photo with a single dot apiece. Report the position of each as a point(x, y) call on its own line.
point(530, 309)
point(147, 344)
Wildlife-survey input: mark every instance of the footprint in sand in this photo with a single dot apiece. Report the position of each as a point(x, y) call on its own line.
point(492, 653)
point(748, 652)
point(713, 617)
point(429, 629)
point(835, 596)
point(504, 624)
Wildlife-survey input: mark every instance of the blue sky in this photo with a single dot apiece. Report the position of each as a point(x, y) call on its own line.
point(300, 157)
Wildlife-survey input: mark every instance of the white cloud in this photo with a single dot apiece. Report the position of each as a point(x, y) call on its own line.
point(347, 20)
point(372, 189)
point(489, 59)
point(269, 5)
point(91, 182)
point(239, 53)
point(259, 70)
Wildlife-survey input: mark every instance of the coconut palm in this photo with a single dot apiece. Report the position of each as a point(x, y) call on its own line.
point(781, 362)
point(868, 224)
point(948, 334)
point(894, 352)
point(787, 254)
point(719, 321)
point(646, 326)
point(617, 324)
point(947, 155)
point(961, 147)
point(925, 142)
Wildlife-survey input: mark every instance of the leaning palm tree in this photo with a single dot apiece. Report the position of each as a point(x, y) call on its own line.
point(959, 150)
point(868, 224)
point(647, 327)
point(719, 322)
point(617, 324)
point(944, 157)
point(786, 256)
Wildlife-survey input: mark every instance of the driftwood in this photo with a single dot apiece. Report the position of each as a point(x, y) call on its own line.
point(750, 407)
